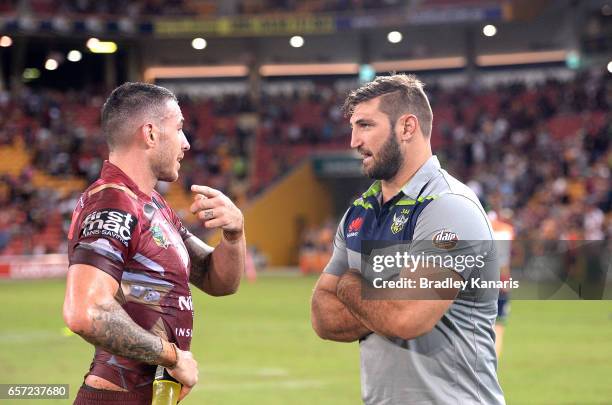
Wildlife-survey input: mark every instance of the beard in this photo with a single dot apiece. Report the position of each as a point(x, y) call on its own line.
point(388, 162)
point(164, 167)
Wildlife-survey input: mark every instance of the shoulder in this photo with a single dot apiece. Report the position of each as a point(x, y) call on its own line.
point(110, 195)
point(355, 215)
point(444, 183)
point(454, 207)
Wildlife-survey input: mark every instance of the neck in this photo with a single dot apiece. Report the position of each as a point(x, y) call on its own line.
point(411, 165)
point(134, 168)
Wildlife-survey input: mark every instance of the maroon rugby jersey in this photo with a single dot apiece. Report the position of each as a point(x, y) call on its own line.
point(138, 240)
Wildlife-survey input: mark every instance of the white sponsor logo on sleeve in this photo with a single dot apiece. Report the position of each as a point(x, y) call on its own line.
point(113, 223)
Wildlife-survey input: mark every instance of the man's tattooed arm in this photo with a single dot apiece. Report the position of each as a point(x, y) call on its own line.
point(217, 271)
point(200, 255)
point(113, 330)
point(92, 310)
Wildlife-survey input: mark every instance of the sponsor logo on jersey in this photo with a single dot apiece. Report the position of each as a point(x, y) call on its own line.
point(354, 227)
point(398, 223)
point(113, 223)
point(147, 294)
point(445, 239)
point(159, 237)
point(185, 303)
point(186, 332)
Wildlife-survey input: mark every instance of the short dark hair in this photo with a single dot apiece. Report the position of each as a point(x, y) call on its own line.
point(127, 102)
point(401, 94)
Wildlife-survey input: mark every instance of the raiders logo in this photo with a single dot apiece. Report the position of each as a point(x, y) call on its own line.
point(398, 223)
point(445, 239)
point(112, 223)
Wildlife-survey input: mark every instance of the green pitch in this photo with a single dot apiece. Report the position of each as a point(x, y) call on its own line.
point(258, 348)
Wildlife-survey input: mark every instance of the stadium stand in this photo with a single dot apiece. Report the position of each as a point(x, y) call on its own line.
point(543, 149)
point(198, 7)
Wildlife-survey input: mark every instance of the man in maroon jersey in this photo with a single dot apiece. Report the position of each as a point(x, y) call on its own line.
point(131, 259)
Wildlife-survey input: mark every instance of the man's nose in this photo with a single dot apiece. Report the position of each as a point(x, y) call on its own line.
point(185, 143)
point(356, 140)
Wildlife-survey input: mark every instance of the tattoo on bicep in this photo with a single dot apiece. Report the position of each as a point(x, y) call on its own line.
point(114, 330)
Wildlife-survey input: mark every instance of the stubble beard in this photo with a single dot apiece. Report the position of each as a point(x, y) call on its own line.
point(164, 167)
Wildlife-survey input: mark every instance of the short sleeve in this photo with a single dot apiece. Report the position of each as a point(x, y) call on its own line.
point(338, 264)
point(453, 232)
point(106, 232)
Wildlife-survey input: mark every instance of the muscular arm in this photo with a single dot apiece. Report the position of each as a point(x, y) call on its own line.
point(217, 273)
point(412, 312)
point(330, 317)
point(91, 311)
point(397, 316)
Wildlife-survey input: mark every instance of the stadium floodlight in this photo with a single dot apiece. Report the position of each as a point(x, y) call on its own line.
point(610, 67)
point(51, 64)
point(74, 55)
point(6, 41)
point(199, 43)
point(395, 37)
point(97, 46)
point(91, 42)
point(489, 30)
point(296, 41)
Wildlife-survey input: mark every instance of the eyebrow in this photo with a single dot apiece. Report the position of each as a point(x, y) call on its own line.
point(362, 121)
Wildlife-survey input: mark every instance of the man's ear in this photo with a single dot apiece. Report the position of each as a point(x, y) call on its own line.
point(408, 125)
point(148, 135)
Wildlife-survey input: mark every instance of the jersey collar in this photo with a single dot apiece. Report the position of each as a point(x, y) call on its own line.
point(410, 189)
point(111, 173)
point(421, 177)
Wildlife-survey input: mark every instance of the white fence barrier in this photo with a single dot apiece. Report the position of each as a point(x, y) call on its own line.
point(33, 267)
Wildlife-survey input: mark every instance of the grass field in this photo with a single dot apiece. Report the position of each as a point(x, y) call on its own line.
point(258, 348)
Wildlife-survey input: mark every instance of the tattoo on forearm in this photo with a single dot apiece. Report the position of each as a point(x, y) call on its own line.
point(114, 330)
point(199, 267)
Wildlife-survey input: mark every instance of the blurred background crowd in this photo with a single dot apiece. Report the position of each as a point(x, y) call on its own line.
point(521, 93)
point(541, 152)
point(193, 7)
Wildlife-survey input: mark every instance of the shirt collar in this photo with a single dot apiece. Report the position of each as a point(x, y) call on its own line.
point(112, 173)
point(421, 177)
point(411, 189)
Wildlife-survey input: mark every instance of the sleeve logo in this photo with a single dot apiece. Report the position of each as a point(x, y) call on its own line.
point(116, 224)
point(354, 227)
point(445, 239)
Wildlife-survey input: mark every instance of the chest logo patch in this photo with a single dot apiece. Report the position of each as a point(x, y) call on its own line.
point(159, 237)
point(398, 223)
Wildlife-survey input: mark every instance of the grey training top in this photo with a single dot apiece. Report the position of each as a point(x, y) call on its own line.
point(455, 363)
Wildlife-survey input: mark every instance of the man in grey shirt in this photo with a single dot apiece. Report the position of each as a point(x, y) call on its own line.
point(439, 348)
